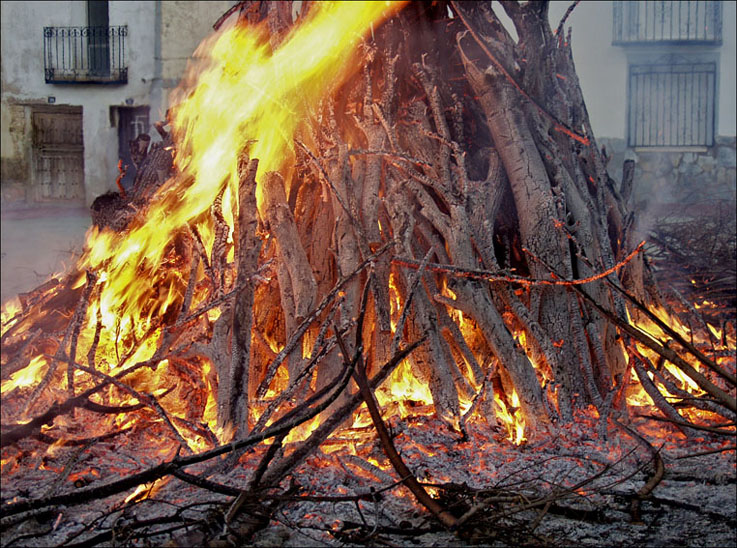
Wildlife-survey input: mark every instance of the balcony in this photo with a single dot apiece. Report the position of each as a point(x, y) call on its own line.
point(85, 55)
point(668, 22)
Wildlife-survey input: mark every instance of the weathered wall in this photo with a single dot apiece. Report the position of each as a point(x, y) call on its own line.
point(15, 166)
point(24, 85)
point(161, 37)
point(602, 67)
point(670, 177)
point(662, 178)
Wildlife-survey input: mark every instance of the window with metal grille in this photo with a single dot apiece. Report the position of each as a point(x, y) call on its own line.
point(671, 104)
point(667, 21)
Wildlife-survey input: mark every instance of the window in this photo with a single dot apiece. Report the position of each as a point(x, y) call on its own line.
point(672, 52)
point(671, 103)
point(668, 21)
point(93, 54)
point(98, 41)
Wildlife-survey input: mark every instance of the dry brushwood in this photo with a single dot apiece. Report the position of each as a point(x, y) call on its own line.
point(446, 200)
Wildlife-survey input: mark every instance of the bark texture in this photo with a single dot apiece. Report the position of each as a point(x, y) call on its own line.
point(457, 143)
point(455, 147)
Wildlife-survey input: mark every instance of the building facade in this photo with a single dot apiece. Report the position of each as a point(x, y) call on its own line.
point(82, 78)
point(659, 82)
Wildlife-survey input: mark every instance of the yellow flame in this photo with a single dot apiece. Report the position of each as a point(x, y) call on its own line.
point(636, 394)
point(9, 310)
point(715, 331)
point(302, 432)
point(210, 414)
point(146, 490)
point(29, 375)
point(247, 92)
point(513, 422)
point(402, 386)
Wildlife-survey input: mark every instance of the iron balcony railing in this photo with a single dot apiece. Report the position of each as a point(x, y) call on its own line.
point(85, 55)
point(667, 21)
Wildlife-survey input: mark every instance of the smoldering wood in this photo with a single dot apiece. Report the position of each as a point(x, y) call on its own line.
point(284, 424)
point(33, 426)
point(302, 328)
point(233, 388)
point(295, 385)
point(441, 138)
point(349, 405)
point(423, 497)
point(114, 211)
point(454, 150)
point(76, 324)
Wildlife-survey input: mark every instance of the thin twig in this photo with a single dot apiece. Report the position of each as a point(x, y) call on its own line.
point(285, 424)
point(559, 30)
point(501, 276)
point(655, 478)
point(405, 307)
point(387, 444)
point(34, 425)
point(712, 429)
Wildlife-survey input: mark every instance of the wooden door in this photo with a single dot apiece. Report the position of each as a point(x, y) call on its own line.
point(132, 121)
point(58, 154)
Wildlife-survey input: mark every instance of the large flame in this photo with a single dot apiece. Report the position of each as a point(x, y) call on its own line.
point(248, 93)
point(638, 397)
point(248, 88)
point(251, 88)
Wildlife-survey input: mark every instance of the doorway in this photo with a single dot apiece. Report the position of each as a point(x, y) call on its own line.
point(132, 121)
point(58, 152)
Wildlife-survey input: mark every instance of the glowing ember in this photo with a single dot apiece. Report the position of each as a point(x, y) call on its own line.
point(168, 342)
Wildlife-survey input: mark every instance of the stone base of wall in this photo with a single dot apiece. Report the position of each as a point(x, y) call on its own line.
point(684, 178)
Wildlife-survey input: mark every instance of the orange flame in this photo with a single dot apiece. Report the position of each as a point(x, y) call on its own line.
point(247, 93)
point(250, 92)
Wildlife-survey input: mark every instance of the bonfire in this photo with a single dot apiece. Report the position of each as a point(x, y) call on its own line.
point(373, 257)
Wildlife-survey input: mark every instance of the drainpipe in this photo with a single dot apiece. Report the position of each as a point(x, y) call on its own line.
point(157, 98)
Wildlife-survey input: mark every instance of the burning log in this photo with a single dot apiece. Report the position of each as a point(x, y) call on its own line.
point(415, 182)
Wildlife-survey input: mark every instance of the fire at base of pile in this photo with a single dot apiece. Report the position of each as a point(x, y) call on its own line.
point(578, 485)
point(378, 213)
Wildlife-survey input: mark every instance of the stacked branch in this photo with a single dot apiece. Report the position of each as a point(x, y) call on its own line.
point(446, 201)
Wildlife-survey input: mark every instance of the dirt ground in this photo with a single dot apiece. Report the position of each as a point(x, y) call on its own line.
point(37, 242)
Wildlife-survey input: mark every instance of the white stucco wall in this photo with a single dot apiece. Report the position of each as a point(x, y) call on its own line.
point(727, 122)
point(23, 74)
point(602, 67)
point(161, 37)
